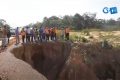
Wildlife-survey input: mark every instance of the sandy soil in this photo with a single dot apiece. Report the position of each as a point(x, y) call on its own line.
point(12, 68)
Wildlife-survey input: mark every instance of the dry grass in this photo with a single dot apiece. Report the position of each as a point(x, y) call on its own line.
point(113, 37)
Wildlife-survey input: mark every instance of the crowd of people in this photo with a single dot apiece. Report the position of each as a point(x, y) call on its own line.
point(29, 35)
point(42, 34)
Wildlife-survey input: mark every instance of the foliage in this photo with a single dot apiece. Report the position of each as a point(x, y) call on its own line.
point(86, 32)
point(83, 39)
point(79, 22)
point(91, 37)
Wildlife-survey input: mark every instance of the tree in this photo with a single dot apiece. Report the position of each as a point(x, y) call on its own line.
point(67, 20)
point(90, 20)
point(78, 21)
point(111, 22)
point(118, 21)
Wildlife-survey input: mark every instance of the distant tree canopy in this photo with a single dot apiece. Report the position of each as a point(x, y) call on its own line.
point(87, 20)
point(77, 21)
point(2, 23)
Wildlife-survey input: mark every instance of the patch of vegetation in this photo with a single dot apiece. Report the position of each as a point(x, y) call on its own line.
point(84, 39)
point(86, 32)
point(91, 37)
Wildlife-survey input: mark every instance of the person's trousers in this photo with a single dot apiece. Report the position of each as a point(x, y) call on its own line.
point(8, 40)
point(40, 37)
point(4, 41)
point(55, 36)
point(67, 36)
point(17, 40)
point(23, 39)
point(47, 37)
point(27, 38)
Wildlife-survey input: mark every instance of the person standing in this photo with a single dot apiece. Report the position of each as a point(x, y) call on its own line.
point(62, 34)
point(23, 33)
point(4, 36)
point(47, 33)
point(67, 30)
point(17, 36)
point(32, 34)
point(8, 35)
point(51, 34)
point(54, 31)
point(27, 34)
point(40, 34)
point(36, 35)
point(43, 35)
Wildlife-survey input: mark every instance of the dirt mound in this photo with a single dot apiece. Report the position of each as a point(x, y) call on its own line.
point(12, 68)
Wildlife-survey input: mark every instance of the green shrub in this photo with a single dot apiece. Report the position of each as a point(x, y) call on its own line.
point(86, 32)
point(91, 37)
point(84, 39)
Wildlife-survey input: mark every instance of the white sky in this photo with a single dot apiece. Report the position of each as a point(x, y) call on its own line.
point(23, 12)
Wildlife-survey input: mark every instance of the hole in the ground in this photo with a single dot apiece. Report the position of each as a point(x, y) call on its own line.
point(57, 61)
point(46, 58)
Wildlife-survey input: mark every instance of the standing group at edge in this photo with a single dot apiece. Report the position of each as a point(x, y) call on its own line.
point(43, 34)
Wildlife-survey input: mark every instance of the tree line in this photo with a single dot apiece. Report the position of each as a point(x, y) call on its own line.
point(77, 22)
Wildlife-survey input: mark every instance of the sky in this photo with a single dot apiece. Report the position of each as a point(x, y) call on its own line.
point(23, 12)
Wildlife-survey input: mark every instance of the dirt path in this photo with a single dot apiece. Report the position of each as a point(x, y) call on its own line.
point(12, 68)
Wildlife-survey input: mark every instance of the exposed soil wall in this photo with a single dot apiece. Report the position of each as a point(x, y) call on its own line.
point(61, 61)
point(47, 58)
point(55, 60)
point(105, 62)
